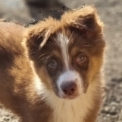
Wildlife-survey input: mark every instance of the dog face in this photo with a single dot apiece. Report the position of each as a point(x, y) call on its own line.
point(67, 54)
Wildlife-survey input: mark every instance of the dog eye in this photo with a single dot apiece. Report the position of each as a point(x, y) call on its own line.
point(81, 59)
point(52, 64)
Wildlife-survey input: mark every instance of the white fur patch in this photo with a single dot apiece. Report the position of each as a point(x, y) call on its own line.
point(38, 85)
point(67, 77)
point(64, 47)
point(74, 110)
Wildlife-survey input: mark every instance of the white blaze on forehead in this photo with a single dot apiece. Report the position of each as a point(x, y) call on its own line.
point(64, 41)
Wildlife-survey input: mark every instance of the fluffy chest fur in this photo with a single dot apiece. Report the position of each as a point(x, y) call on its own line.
point(76, 110)
point(69, 111)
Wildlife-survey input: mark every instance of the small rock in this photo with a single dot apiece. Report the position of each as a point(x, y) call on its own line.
point(106, 109)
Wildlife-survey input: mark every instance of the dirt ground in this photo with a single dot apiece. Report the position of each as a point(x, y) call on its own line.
point(111, 14)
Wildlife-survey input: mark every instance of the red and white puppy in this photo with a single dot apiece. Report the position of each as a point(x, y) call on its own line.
point(57, 74)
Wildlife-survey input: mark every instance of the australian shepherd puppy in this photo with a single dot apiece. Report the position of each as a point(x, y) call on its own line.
point(53, 72)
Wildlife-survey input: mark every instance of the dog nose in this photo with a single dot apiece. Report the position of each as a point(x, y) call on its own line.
point(69, 88)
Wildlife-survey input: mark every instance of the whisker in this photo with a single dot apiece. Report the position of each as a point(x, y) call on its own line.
point(43, 58)
point(43, 55)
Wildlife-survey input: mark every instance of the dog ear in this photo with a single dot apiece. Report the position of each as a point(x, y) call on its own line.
point(85, 18)
point(35, 37)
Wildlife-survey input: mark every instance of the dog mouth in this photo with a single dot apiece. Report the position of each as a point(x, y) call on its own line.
point(69, 97)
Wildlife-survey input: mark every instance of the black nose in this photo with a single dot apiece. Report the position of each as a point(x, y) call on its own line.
point(69, 88)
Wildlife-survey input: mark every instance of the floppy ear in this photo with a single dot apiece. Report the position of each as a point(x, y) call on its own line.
point(37, 35)
point(85, 18)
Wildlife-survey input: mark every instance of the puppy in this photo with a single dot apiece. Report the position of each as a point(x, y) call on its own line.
point(53, 72)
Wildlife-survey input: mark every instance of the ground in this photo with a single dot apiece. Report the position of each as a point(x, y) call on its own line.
point(111, 14)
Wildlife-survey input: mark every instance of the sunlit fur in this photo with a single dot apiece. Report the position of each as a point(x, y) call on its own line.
point(32, 89)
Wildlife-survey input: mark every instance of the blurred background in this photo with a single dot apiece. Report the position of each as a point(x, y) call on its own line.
point(27, 12)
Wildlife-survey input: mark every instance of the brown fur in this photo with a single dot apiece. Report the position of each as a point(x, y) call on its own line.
point(16, 78)
point(17, 90)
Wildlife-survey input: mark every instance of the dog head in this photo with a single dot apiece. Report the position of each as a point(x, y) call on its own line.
point(67, 54)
